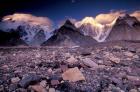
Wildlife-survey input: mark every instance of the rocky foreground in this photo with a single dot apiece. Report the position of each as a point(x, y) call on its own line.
point(113, 68)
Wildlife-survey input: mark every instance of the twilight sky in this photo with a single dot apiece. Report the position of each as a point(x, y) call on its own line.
point(58, 10)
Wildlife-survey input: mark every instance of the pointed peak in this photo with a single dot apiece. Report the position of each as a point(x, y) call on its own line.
point(127, 16)
point(68, 22)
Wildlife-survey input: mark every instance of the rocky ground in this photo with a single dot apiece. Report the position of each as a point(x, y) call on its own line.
point(104, 68)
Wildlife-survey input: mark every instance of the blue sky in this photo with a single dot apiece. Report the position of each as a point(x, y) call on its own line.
point(58, 10)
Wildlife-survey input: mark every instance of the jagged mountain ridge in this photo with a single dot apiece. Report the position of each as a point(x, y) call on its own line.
point(126, 28)
point(69, 35)
point(106, 32)
point(83, 32)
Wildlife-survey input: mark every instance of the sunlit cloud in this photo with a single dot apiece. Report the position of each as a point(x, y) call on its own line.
point(28, 18)
point(136, 14)
point(108, 18)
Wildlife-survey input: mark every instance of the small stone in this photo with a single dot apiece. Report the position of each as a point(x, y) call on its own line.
point(51, 90)
point(47, 87)
point(133, 90)
point(43, 83)
point(50, 70)
point(21, 90)
point(57, 91)
point(64, 67)
point(12, 87)
point(132, 49)
point(1, 88)
point(114, 59)
point(129, 59)
point(58, 70)
point(89, 62)
point(122, 91)
point(37, 55)
point(86, 53)
point(73, 75)
point(72, 60)
point(38, 88)
point(129, 54)
point(18, 71)
point(67, 55)
point(139, 89)
point(1, 82)
point(54, 82)
point(136, 56)
point(5, 67)
point(133, 78)
point(14, 54)
point(117, 47)
point(100, 61)
point(111, 57)
point(15, 80)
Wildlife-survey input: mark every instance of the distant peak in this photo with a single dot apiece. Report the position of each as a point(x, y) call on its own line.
point(127, 15)
point(68, 22)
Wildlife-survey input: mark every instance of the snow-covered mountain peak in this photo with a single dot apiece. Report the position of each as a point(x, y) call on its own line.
point(90, 27)
point(28, 26)
point(88, 20)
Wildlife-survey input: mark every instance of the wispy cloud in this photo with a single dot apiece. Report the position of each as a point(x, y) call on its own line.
point(29, 18)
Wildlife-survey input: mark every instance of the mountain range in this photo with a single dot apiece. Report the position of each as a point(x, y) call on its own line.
point(84, 32)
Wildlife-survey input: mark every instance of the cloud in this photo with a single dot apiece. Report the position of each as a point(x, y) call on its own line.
point(109, 17)
point(19, 17)
point(136, 14)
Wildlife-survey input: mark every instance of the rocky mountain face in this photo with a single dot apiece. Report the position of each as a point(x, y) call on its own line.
point(125, 28)
point(39, 38)
point(28, 33)
point(10, 38)
point(69, 35)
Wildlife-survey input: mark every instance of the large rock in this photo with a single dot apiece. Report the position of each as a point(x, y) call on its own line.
point(30, 79)
point(38, 88)
point(51, 90)
point(72, 60)
point(54, 82)
point(89, 62)
point(43, 83)
point(73, 75)
point(129, 54)
point(112, 57)
point(15, 80)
